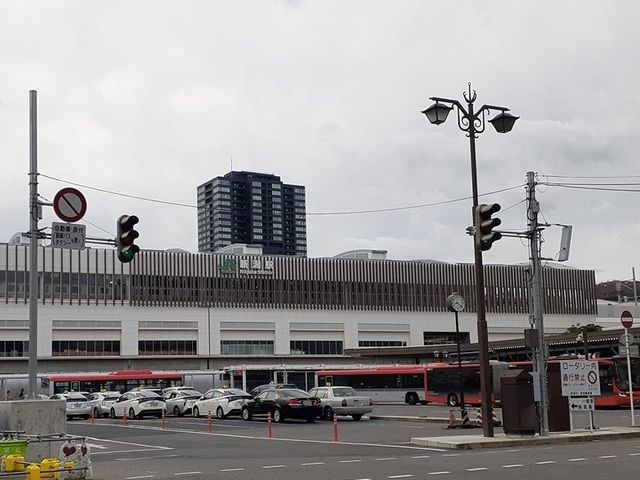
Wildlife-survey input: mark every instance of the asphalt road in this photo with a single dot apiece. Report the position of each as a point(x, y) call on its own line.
point(368, 449)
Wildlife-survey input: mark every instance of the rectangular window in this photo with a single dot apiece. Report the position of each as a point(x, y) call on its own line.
point(246, 347)
point(85, 348)
point(316, 347)
point(381, 343)
point(14, 348)
point(167, 347)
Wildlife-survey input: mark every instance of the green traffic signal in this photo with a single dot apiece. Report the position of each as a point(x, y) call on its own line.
point(126, 236)
point(485, 236)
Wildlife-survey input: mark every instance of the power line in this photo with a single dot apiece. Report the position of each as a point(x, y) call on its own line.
point(595, 176)
point(584, 187)
point(353, 212)
point(146, 199)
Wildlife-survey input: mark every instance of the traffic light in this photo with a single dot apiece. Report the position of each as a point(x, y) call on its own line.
point(126, 236)
point(485, 236)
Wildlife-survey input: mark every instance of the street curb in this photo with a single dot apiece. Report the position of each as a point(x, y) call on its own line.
point(474, 442)
point(402, 418)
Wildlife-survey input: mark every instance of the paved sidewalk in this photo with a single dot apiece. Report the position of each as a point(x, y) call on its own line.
point(477, 441)
point(409, 418)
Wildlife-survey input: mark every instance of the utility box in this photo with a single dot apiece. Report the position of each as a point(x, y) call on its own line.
point(519, 414)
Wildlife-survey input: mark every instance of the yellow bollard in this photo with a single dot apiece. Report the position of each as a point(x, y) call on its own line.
point(9, 463)
point(48, 467)
point(33, 472)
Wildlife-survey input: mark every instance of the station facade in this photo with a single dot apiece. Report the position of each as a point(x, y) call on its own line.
point(242, 308)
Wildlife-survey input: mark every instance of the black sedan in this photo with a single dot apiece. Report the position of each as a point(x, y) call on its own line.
point(283, 403)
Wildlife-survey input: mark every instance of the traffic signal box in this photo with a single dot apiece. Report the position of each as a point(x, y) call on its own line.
point(485, 236)
point(126, 236)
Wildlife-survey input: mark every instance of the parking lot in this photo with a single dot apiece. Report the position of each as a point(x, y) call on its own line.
point(185, 448)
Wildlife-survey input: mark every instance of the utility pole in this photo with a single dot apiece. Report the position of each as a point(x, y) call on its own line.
point(34, 216)
point(635, 288)
point(540, 361)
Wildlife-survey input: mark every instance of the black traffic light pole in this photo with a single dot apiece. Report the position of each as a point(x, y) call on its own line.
point(474, 123)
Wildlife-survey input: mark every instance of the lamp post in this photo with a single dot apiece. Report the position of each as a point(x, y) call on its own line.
point(473, 123)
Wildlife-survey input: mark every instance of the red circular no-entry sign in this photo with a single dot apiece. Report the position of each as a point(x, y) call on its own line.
point(627, 319)
point(70, 204)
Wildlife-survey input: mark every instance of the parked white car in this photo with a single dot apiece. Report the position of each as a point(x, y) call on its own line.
point(101, 402)
point(342, 401)
point(180, 402)
point(77, 404)
point(137, 404)
point(221, 402)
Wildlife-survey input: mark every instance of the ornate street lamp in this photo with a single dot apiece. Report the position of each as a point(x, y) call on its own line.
point(473, 123)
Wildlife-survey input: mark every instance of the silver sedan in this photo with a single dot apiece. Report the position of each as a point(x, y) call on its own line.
point(342, 401)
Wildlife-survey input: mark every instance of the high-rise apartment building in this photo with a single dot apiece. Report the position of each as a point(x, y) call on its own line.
point(254, 208)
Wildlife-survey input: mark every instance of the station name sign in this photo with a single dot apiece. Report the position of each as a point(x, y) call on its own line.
point(247, 266)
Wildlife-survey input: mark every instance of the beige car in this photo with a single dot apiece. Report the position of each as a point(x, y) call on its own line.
point(342, 401)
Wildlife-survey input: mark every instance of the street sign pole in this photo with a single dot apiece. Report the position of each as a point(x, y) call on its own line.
point(34, 215)
point(633, 417)
point(627, 322)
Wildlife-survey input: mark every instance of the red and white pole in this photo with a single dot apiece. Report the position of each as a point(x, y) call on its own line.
point(336, 433)
point(163, 420)
point(124, 418)
point(269, 428)
point(209, 422)
point(93, 416)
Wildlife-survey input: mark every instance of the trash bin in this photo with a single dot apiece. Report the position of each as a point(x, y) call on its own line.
point(519, 414)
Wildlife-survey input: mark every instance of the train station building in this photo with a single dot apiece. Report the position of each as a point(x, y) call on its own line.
point(175, 309)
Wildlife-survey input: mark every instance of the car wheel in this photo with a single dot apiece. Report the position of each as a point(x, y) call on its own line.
point(328, 413)
point(452, 400)
point(357, 417)
point(220, 413)
point(196, 412)
point(176, 411)
point(412, 398)
point(246, 414)
point(132, 414)
point(278, 416)
point(112, 413)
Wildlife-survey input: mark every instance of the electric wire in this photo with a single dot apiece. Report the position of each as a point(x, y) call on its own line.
point(353, 212)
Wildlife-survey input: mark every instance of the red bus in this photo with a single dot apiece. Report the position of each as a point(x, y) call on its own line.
point(121, 381)
point(614, 386)
point(397, 384)
point(443, 382)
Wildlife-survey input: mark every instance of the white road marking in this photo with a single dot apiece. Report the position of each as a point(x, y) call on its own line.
point(160, 447)
point(438, 473)
point(400, 476)
point(310, 464)
point(355, 461)
point(546, 462)
point(478, 469)
point(274, 466)
point(422, 456)
point(515, 465)
point(128, 459)
point(141, 476)
point(576, 460)
point(186, 473)
point(99, 447)
point(452, 455)
point(634, 454)
point(232, 470)
point(385, 459)
point(261, 437)
point(608, 456)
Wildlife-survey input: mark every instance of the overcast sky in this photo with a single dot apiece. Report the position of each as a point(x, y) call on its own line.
point(154, 98)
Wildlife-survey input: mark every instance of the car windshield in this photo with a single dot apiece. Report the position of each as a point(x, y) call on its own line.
point(147, 394)
point(190, 393)
point(293, 393)
point(111, 396)
point(76, 398)
point(235, 391)
point(344, 392)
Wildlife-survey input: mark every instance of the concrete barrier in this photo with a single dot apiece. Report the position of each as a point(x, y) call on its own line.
point(35, 417)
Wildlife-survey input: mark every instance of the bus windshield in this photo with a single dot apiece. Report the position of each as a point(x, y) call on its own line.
point(622, 374)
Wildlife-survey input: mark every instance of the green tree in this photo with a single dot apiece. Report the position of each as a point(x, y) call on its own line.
point(589, 327)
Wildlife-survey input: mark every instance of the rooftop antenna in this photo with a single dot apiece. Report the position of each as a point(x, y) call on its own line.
point(232, 164)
